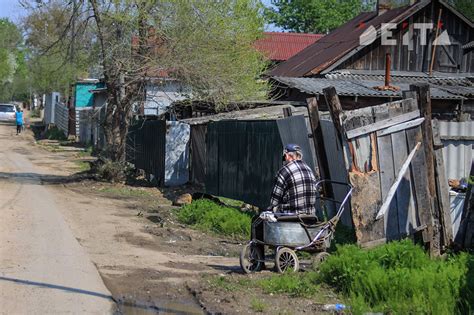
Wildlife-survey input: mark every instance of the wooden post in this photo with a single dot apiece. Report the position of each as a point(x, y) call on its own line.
point(287, 112)
point(424, 103)
point(318, 138)
point(442, 190)
point(335, 109)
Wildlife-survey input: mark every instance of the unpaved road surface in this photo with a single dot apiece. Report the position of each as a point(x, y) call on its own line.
point(43, 269)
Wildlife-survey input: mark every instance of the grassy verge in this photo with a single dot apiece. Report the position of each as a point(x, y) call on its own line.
point(125, 192)
point(208, 216)
point(55, 133)
point(83, 166)
point(397, 278)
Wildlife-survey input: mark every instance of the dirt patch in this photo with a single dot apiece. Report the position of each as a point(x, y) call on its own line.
point(149, 261)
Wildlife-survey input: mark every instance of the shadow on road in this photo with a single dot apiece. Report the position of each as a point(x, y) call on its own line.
point(43, 179)
point(123, 306)
point(57, 287)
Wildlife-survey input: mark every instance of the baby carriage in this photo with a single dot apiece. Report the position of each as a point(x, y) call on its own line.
point(290, 233)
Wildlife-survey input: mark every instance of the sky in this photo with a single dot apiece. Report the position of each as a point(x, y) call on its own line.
point(10, 9)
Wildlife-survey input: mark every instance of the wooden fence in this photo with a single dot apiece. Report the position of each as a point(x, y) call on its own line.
point(398, 176)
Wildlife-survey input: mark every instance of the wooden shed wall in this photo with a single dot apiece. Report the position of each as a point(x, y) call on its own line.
point(417, 58)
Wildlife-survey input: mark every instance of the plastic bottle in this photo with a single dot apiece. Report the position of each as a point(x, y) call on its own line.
point(334, 307)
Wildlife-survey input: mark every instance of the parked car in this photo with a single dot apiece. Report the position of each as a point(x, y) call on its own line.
point(7, 112)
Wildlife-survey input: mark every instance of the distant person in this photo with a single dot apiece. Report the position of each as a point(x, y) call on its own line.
point(19, 121)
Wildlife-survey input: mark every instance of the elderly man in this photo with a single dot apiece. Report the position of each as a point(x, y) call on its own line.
point(295, 184)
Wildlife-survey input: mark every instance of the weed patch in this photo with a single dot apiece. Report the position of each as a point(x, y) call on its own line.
point(83, 166)
point(257, 305)
point(209, 216)
point(125, 192)
point(55, 133)
point(297, 285)
point(397, 278)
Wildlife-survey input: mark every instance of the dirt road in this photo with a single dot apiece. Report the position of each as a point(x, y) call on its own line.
point(43, 269)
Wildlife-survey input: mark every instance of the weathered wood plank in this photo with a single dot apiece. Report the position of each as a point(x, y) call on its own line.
point(387, 178)
point(405, 200)
point(400, 127)
point(382, 124)
point(420, 184)
point(442, 190)
point(365, 202)
point(393, 189)
point(424, 103)
point(318, 139)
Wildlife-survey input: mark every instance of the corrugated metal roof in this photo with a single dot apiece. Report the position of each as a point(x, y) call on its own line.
point(329, 49)
point(359, 88)
point(281, 46)
point(438, 78)
point(457, 154)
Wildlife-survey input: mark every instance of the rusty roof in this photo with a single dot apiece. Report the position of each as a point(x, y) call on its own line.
point(280, 46)
point(332, 47)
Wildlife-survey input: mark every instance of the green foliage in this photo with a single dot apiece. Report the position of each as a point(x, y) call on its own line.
point(257, 305)
point(36, 113)
point(54, 133)
point(212, 48)
point(466, 7)
point(12, 63)
point(298, 285)
point(399, 278)
point(208, 216)
point(314, 16)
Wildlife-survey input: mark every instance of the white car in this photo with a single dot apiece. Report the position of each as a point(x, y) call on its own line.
point(7, 112)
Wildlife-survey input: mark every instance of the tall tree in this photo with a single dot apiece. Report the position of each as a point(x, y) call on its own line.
point(11, 58)
point(314, 16)
point(206, 45)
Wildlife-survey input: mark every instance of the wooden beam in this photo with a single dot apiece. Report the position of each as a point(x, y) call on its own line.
point(382, 124)
point(287, 112)
point(424, 103)
point(335, 109)
point(393, 189)
point(318, 138)
point(400, 127)
point(442, 191)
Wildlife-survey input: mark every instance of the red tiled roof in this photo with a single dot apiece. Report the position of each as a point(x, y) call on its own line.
point(281, 46)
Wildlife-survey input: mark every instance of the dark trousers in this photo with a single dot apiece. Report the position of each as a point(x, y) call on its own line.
point(18, 128)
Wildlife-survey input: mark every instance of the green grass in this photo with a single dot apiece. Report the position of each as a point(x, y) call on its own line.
point(257, 305)
point(83, 166)
point(125, 192)
point(397, 278)
point(208, 216)
point(55, 133)
point(297, 285)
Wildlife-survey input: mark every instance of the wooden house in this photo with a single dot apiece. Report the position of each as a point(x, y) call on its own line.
point(428, 41)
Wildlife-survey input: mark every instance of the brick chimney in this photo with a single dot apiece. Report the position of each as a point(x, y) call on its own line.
point(383, 6)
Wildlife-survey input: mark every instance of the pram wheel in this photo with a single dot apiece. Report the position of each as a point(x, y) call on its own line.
point(319, 258)
point(286, 260)
point(251, 258)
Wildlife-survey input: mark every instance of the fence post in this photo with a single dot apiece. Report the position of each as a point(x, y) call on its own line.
point(424, 104)
point(318, 139)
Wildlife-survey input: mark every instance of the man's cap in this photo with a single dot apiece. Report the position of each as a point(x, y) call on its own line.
point(291, 147)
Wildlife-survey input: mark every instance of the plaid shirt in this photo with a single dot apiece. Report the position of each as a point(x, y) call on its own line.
point(294, 189)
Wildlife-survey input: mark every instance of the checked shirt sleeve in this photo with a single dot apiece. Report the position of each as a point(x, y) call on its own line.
point(278, 189)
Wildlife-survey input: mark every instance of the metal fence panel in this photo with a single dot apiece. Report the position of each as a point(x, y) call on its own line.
point(242, 160)
point(146, 147)
point(458, 142)
point(61, 117)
